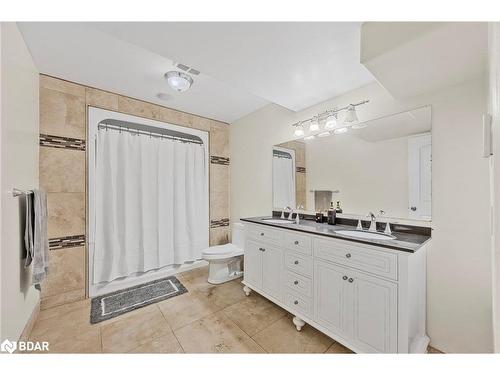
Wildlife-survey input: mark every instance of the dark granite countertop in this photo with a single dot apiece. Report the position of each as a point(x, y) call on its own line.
point(407, 240)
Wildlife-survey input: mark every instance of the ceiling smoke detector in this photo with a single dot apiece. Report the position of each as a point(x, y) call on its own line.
point(179, 81)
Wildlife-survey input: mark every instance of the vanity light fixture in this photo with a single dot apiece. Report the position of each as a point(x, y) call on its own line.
point(331, 123)
point(359, 125)
point(299, 129)
point(179, 81)
point(309, 137)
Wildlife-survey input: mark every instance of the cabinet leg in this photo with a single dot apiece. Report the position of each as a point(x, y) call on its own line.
point(247, 290)
point(299, 323)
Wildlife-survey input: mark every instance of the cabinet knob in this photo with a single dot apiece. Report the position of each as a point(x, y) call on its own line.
point(413, 208)
point(296, 262)
point(261, 233)
point(262, 249)
point(351, 279)
point(295, 302)
point(348, 255)
point(344, 278)
point(295, 282)
point(296, 242)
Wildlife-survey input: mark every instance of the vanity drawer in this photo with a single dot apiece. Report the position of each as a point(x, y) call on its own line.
point(298, 242)
point(362, 257)
point(298, 303)
point(297, 283)
point(263, 233)
point(298, 263)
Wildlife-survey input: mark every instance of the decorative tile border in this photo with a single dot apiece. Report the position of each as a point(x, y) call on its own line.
point(219, 160)
point(62, 142)
point(219, 223)
point(301, 169)
point(66, 242)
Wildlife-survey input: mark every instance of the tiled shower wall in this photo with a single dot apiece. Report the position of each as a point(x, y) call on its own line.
point(63, 124)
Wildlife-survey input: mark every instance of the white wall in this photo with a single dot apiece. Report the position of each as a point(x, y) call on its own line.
point(19, 168)
point(371, 176)
point(459, 262)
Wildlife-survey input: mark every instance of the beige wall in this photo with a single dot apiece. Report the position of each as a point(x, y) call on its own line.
point(63, 111)
point(19, 169)
point(459, 260)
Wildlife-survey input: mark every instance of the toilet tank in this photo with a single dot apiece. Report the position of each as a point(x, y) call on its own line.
point(238, 235)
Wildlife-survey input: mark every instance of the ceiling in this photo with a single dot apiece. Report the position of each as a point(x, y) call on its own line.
point(244, 66)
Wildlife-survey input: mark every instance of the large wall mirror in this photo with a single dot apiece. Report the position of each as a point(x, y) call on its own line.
point(382, 164)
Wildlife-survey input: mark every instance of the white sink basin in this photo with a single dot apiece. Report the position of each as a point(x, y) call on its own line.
point(365, 235)
point(278, 221)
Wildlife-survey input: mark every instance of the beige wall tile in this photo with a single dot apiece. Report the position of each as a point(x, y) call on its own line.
point(66, 272)
point(138, 108)
point(66, 214)
point(219, 139)
point(62, 114)
point(102, 99)
point(219, 236)
point(219, 178)
point(219, 205)
point(62, 170)
point(62, 86)
point(62, 298)
point(201, 123)
point(176, 117)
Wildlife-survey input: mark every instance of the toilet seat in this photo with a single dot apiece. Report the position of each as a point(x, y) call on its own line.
point(221, 252)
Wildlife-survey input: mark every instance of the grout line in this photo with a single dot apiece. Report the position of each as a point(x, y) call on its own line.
point(172, 330)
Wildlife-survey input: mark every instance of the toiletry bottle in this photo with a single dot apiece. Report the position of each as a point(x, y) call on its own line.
point(331, 214)
point(338, 209)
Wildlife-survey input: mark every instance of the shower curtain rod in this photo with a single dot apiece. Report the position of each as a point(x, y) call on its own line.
point(150, 133)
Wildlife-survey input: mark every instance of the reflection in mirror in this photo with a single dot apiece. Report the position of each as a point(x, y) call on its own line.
point(284, 193)
point(382, 164)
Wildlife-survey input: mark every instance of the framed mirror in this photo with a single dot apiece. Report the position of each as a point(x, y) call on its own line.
point(382, 164)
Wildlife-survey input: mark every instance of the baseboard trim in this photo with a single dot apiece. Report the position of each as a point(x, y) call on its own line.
point(30, 323)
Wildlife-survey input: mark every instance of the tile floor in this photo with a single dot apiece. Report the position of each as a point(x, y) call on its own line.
point(207, 319)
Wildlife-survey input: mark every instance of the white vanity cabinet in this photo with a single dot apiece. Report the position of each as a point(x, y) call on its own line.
point(369, 298)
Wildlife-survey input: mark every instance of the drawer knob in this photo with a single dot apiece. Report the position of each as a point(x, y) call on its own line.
point(344, 278)
point(262, 249)
point(295, 282)
point(351, 279)
point(295, 302)
point(261, 233)
point(296, 242)
point(296, 262)
point(348, 255)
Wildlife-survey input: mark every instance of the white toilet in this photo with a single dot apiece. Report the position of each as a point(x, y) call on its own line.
point(225, 260)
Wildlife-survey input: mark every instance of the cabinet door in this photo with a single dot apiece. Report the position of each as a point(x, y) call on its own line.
point(374, 312)
point(330, 297)
point(253, 263)
point(272, 271)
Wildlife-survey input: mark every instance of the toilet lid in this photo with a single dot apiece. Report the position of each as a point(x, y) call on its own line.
point(221, 249)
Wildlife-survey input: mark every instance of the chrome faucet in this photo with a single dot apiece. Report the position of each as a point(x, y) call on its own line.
point(287, 208)
point(373, 223)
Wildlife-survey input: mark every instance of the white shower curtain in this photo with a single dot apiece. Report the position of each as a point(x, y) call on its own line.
point(283, 182)
point(151, 204)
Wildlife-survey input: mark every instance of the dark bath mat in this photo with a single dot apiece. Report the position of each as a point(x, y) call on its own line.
point(122, 301)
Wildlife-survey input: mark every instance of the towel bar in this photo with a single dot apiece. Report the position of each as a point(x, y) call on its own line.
point(18, 192)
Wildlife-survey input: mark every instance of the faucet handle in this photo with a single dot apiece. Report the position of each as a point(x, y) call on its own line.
point(381, 213)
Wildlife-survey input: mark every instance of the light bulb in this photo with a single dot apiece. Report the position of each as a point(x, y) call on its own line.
point(299, 131)
point(314, 126)
point(340, 130)
point(331, 122)
point(351, 116)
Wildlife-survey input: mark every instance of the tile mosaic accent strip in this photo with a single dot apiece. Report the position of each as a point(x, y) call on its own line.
point(66, 242)
point(62, 142)
point(219, 160)
point(301, 169)
point(219, 223)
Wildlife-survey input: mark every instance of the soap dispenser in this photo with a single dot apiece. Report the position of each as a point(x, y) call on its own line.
point(338, 210)
point(331, 214)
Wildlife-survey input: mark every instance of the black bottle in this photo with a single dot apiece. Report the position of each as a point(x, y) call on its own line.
point(338, 209)
point(331, 215)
